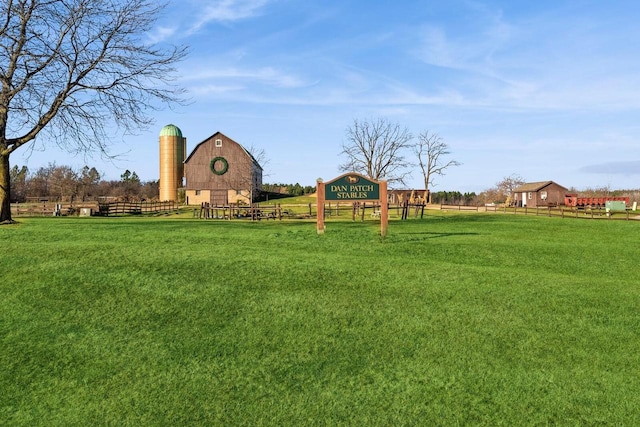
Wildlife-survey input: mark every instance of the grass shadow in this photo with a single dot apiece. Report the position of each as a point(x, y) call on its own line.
point(436, 234)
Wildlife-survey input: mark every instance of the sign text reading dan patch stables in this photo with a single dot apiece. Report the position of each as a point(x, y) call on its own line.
point(352, 187)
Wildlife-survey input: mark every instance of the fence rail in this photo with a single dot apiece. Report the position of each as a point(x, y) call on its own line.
point(261, 211)
point(135, 208)
point(27, 210)
point(104, 209)
point(48, 209)
point(304, 211)
point(574, 212)
point(560, 211)
point(444, 207)
point(254, 212)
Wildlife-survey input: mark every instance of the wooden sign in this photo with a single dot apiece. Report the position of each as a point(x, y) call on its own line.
point(353, 187)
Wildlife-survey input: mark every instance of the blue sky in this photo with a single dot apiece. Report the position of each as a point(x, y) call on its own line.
point(548, 90)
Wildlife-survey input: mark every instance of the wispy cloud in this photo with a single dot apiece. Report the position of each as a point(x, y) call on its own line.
point(232, 79)
point(228, 11)
point(211, 89)
point(474, 51)
point(547, 61)
point(161, 34)
point(613, 168)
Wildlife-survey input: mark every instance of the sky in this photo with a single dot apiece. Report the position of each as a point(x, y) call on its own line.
point(546, 90)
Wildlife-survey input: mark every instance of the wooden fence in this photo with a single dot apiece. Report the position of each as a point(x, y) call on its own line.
point(29, 209)
point(105, 209)
point(559, 211)
point(280, 211)
point(254, 212)
point(355, 210)
point(444, 207)
point(135, 208)
point(573, 212)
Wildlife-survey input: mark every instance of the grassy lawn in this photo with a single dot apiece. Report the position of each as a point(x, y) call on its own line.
point(456, 319)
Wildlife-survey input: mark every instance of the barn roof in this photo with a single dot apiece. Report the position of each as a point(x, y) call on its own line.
point(220, 133)
point(534, 186)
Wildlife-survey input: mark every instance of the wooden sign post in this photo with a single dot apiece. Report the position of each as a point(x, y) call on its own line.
point(353, 187)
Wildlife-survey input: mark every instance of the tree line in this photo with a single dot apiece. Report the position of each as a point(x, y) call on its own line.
point(65, 184)
point(61, 183)
point(289, 189)
point(454, 198)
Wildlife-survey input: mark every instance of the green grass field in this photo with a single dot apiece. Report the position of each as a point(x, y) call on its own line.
point(455, 319)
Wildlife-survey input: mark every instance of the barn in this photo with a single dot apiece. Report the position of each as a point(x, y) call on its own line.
point(220, 171)
point(544, 193)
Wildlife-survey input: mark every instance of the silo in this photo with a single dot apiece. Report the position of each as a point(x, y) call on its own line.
point(172, 155)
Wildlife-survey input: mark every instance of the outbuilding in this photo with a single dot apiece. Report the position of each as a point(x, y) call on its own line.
point(533, 194)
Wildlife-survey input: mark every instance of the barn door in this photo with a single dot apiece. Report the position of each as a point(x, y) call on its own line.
point(219, 198)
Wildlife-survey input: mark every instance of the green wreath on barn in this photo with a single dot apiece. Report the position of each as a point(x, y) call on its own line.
point(216, 170)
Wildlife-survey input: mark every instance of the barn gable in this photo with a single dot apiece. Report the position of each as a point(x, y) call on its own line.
point(221, 171)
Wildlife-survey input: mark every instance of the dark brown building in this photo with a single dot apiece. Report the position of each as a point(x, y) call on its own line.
point(220, 171)
point(532, 194)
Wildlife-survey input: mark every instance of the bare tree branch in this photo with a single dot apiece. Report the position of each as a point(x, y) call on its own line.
point(71, 67)
point(429, 149)
point(376, 148)
point(510, 183)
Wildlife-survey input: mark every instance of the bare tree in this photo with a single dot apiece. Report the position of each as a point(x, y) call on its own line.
point(376, 149)
point(40, 182)
point(248, 185)
point(19, 181)
point(503, 190)
point(260, 162)
point(430, 149)
point(68, 66)
point(64, 183)
point(510, 183)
